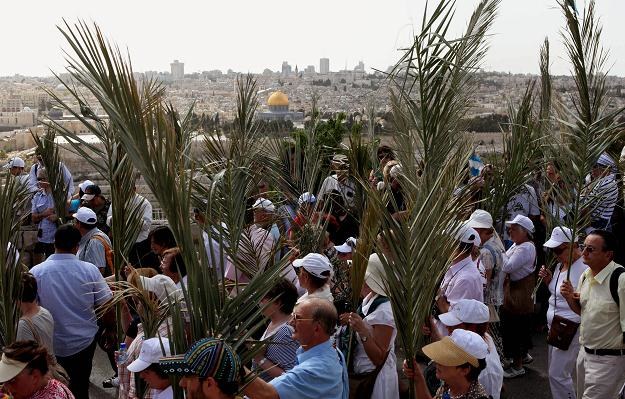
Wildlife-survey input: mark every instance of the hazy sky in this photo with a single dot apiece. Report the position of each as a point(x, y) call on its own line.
point(250, 35)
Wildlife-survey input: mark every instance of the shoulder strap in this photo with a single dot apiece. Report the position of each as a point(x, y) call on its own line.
point(374, 305)
point(614, 283)
point(108, 251)
point(31, 325)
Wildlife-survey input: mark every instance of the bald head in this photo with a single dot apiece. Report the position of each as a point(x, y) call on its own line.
point(323, 312)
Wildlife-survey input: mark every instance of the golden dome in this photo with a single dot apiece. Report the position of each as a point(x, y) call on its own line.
point(278, 98)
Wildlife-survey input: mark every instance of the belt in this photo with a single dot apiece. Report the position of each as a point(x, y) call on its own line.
point(605, 352)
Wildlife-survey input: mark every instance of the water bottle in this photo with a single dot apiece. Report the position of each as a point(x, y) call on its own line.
point(122, 355)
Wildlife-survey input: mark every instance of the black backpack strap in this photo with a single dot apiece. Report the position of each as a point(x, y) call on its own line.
point(374, 305)
point(614, 283)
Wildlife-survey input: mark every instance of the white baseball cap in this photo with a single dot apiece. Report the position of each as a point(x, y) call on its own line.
point(461, 347)
point(480, 219)
point(16, 162)
point(151, 353)
point(83, 186)
point(264, 204)
point(522, 221)
point(316, 264)
point(465, 311)
point(85, 215)
point(306, 198)
point(467, 234)
point(395, 171)
point(161, 285)
point(347, 247)
point(559, 236)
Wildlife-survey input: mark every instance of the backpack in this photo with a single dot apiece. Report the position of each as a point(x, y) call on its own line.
point(108, 254)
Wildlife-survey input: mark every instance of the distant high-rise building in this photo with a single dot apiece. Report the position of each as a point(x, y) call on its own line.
point(360, 67)
point(177, 70)
point(286, 68)
point(310, 69)
point(324, 66)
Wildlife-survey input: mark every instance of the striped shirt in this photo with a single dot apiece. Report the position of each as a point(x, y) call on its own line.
point(281, 349)
point(604, 196)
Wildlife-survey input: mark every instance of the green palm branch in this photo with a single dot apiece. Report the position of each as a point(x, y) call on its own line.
point(13, 198)
point(49, 153)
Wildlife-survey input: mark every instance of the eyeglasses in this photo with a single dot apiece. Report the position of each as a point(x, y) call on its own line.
point(295, 318)
point(587, 248)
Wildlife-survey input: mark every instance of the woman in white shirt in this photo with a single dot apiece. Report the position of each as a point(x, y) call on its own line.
point(518, 304)
point(375, 334)
point(562, 362)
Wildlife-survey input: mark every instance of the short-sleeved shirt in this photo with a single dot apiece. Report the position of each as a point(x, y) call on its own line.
point(462, 281)
point(346, 188)
point(43, 323)
point(41, 202)
point(603, 321)
point(92, 250)
point(321, 372)
point(71, 289)
point(281, 349)
point(525, 203)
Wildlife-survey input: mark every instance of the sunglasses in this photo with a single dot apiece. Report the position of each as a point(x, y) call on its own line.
point(558, 250)
point(587, 248)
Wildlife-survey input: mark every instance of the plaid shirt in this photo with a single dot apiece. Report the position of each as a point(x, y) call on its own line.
point(127, 388)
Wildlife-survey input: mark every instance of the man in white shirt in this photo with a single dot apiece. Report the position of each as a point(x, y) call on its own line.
point(339, 181)
point(147, 365)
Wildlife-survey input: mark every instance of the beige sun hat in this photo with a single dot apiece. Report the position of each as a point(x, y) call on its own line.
point(9, 368)
point(375, 276)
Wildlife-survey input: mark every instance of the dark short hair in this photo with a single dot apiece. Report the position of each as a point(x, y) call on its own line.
point(385, 150)
point(93, 189)
point(155, 367)
point(316, 282)
point(163, 236)
point(87, 226)
point(285, 294)
point(227, 387)
point(29, 288)
point(474, 372)
point(66, 237)
point(609, 239)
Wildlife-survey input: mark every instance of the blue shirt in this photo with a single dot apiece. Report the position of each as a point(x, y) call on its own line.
point(41, 202)
point(320, 373)
point(70, 289)
point(91, 250)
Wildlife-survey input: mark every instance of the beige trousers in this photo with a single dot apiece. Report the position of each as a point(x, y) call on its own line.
point(599, 377)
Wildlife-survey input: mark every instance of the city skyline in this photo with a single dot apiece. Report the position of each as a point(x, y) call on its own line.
point(246, 36)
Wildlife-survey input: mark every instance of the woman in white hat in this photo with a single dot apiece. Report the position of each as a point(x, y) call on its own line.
point(25, 372)
point(375, 331)
point(518, 305)
point(562, 361)
point(459, 360)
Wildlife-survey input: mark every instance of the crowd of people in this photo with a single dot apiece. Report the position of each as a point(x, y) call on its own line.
point(317, 344)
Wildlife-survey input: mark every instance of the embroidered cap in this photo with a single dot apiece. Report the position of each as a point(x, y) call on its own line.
point(208, 357)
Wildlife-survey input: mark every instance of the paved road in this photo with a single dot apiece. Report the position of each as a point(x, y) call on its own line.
point(533, 385)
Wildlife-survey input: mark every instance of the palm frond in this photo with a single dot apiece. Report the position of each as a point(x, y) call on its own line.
point(49, 154)
point(13, 197)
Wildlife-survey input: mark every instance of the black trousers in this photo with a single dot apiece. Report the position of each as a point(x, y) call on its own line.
point(516, 334)
point(78, 367)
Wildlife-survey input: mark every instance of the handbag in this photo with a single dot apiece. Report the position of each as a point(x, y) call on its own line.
point(518, 295)
point(562, 330)
point(56, 370)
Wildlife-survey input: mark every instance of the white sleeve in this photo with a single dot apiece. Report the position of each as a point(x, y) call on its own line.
point(533, 202)
point(520, 256)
